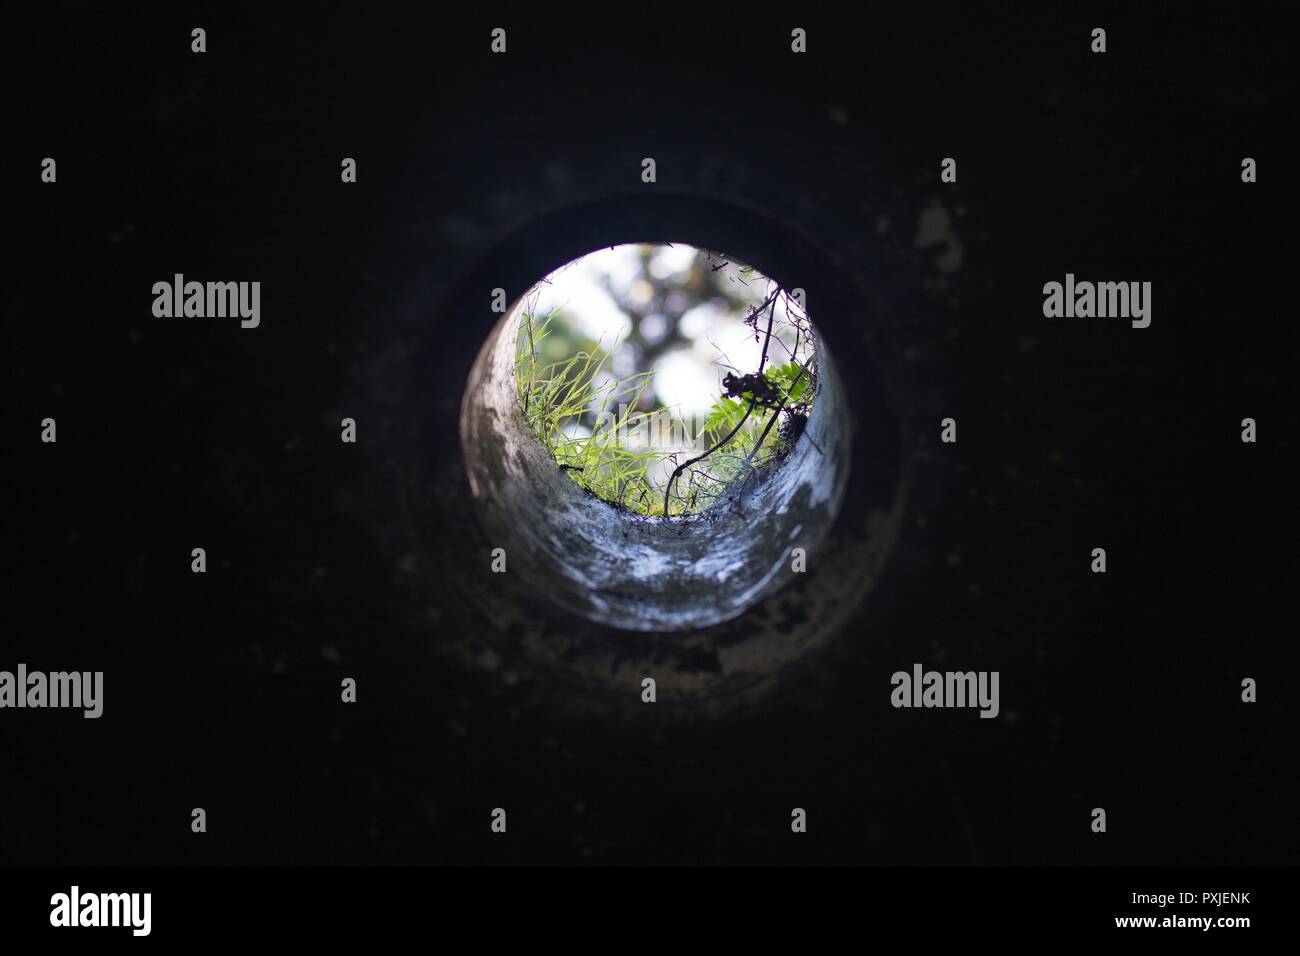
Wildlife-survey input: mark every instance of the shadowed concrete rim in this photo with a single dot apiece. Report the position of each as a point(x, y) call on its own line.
point(626, 570)
point(526, 620)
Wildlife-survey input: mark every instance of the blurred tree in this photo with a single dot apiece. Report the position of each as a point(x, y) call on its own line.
point(655, 305)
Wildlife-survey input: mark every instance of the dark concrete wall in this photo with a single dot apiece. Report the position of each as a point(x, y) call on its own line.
point(330, 560)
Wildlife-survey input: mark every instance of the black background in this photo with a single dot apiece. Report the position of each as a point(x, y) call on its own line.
point(1120, 691)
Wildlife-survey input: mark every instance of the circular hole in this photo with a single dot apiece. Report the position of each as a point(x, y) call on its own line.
point(735, 530)
point(658, 375)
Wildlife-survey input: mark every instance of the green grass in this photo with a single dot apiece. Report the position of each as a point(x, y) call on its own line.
point(559, 395)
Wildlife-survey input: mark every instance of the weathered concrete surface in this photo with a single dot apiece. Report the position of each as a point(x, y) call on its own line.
point(629, 571)
point(596, 597)
point(329, 560)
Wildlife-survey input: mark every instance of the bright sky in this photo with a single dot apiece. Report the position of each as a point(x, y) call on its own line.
point(687, 379)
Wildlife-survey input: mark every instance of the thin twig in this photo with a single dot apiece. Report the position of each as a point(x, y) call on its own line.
point(771, 315)
point(668, 489)
point(690, 461)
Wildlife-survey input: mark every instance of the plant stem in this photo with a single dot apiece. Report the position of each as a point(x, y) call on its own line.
point(772, 421)
point(668, 489)
point(686, 464)
point(768, 341)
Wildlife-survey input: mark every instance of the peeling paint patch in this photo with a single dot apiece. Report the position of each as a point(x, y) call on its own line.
point(935, 228)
